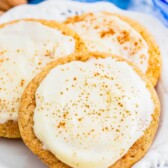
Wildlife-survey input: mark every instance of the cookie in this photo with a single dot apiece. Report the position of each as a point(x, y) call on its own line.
point(84, 111)
point(122, 36)
point(26, 46)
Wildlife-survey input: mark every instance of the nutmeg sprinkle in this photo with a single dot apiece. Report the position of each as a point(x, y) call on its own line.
point(108, 33)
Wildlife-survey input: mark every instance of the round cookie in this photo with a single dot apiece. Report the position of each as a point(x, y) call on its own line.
point(28, 105)
point(113, 29)
point(9, 129)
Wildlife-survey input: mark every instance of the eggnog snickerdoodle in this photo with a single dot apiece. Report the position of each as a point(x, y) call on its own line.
point(89, 110)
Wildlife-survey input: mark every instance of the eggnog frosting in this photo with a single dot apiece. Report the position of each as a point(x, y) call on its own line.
point(26, 47)
point(108, 33)
point(89, 114)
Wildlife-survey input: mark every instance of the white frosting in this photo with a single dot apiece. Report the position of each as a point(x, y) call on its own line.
point(25, 47)
point(92, 112)
point(107, 33)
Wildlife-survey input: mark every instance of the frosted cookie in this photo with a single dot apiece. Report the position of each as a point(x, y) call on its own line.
point(95, 111)
point(26, 46)
point(119, 35)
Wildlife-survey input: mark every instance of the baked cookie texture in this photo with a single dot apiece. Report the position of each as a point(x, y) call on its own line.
point(10, 128)
point(154, 62)
point(27, 106)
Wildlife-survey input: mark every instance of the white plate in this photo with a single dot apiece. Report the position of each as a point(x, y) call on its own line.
point(14, 154)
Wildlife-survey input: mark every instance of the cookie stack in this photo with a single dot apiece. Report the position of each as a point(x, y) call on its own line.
point(80, 93)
